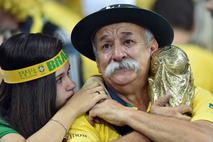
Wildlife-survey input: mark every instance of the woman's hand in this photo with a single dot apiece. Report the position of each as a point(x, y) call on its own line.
point(86, 98)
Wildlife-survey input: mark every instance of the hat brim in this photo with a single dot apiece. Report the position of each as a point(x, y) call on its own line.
point(84, 30)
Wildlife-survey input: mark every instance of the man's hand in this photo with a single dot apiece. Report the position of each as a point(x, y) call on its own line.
point(110, 111)
point(159, 107)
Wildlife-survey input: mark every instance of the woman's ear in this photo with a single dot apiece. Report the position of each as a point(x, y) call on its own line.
point(154, 46)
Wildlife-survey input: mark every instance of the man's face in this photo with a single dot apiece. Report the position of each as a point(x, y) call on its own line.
point(210, 6)
point(122, 54)
point(64, 85)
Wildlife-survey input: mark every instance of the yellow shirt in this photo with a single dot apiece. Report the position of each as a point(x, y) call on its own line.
point(83, 131)
point(202, 105)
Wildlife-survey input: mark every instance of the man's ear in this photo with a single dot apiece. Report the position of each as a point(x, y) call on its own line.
point(154, 46)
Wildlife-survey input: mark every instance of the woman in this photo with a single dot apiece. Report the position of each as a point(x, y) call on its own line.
point(37, 100)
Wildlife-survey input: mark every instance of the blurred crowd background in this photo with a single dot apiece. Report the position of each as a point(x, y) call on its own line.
point(192, 23)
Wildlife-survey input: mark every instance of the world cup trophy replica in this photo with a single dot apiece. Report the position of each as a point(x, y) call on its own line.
point(170, 74)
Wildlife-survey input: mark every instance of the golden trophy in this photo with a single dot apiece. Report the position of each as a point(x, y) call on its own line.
point(170, 74)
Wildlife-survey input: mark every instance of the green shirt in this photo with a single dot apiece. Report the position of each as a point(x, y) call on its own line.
point(5, 128)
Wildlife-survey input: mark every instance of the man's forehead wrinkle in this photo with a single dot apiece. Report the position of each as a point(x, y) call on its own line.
point(114, 30)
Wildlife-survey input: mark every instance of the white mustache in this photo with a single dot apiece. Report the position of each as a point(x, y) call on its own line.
point(129, 64)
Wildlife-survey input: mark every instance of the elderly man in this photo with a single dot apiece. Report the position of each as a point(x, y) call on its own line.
point(121, 39)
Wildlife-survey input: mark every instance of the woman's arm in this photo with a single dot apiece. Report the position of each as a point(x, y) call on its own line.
point(56, 128)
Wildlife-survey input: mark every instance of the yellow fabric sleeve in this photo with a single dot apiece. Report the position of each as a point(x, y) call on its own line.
point(82, 131)
point(202, 105)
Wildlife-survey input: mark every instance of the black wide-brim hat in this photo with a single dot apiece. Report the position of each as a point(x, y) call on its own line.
point(84, 31)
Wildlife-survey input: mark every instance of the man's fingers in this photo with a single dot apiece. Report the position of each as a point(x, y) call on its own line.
point(184, 117)
point(162, 100)
point(185, 109)
point(184, 112)
point(90, 117)
point(93, 113)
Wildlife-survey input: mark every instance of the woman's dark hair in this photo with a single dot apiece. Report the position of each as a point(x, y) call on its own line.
point(28, 106)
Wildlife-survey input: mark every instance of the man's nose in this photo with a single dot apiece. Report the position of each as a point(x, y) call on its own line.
point(118, 53)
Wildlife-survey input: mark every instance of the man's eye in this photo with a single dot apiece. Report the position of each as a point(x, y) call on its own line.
point(105, 46)
point(129, 42)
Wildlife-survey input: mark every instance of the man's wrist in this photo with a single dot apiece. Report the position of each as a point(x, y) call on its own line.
point(129, 115)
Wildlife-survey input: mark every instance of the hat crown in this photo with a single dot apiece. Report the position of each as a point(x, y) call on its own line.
point(158, 26)
point(114, 6)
